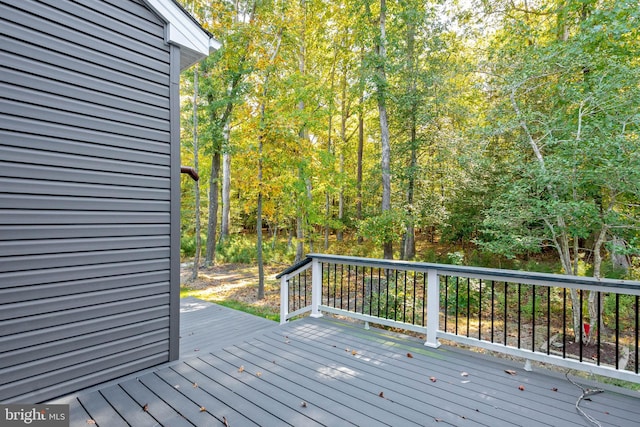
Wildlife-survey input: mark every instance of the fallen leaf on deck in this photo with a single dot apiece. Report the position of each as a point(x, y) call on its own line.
point(464, 374)
point(203, 409)
point(91, 421)
point(241, 368)
point(195, 385)
point(224, 420)
point(521, 387)
point(433, 379)
point(438, 420)
point(410, 356)
point(381, 394)
point(145, 407)
point(176, 386)
point(511, 372)
point(554, 389)
point(258, 374)
point(303, 404)
point(353, 352)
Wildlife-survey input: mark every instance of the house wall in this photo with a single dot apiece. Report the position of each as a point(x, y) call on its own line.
point(89, 180)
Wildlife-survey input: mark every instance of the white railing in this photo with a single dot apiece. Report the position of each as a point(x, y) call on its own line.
point(523, 314)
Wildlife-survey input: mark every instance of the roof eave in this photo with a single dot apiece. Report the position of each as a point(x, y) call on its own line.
point(182, 30)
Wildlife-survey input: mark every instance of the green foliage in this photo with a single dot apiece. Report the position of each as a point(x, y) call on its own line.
point(515, 131)
point(385, 227)
point(241, 249)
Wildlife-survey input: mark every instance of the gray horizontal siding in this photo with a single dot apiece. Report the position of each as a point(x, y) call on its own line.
point(56, 246)
point(74, 287)
point(87, 73)
point(12, 124)
point(80, 370)
point(16, 232)
point(55, 336)
point(35, 276)
point(85, 194)
point(88, 154)
point(129, 60)
point(44, 176)
point(42, 351)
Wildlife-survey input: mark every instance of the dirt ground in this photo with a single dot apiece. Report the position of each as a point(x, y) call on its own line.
point(233, 282)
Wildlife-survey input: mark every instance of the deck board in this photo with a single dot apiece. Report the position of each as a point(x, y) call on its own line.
point(250, 371)
point(128, 408)
point(480, 394)
point(205, 326)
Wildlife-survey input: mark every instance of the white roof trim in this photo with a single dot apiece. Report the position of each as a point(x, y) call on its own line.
point(183, 31)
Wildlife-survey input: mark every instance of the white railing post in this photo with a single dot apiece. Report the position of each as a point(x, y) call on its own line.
point(316, 288)
point(284, 299)
point(433, 308)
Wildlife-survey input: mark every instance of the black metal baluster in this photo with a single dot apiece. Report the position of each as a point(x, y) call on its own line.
point(564, 323)
point(446, 302)
point(637, 333)
point(413, 310)
point(379, 282)
point(370, 288)
point(580, 324)
point(364, 291)
point(548, 320)
point(598, 336)
point(519, 312)
point(457, 301)
point(348, 288)
point(305, 290)
point(395, 299)
point(468, 304)
point(341, 284)
point(493, 308)
point(328, 282)
point(355, 292)
point(506, 305)
point(299, 292)
point(480, 311)
point(533, 318)
point(424, 299)
point(335, 284)
point(404, 298)
point(617, 330)
point(386, 312)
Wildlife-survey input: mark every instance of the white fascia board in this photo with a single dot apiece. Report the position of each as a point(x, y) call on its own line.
point(182, 30)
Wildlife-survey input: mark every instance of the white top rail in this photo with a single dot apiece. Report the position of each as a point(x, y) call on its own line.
point(628, 287)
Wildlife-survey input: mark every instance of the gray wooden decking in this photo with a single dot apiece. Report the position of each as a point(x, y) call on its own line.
point(206, 327)
point(325, 372)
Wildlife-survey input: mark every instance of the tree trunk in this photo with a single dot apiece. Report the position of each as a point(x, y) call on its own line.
point(226, 194)
point(261, 127)
point(594, 319)
point(384, 125)
point(212, 227)
point(360, 156)
point(409, 250)
point(196, 184)
point(339, 234)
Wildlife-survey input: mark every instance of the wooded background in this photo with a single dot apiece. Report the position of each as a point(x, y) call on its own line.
point(504, 125)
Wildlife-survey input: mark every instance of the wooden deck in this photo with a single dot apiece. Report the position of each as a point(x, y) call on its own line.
point(315, 372)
